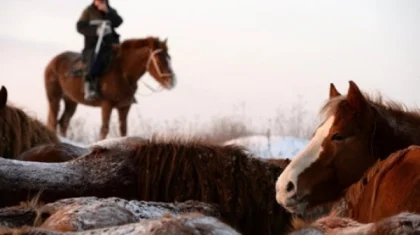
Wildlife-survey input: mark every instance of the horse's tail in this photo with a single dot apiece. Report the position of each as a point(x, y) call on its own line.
point(53, 89)
point(51, 79)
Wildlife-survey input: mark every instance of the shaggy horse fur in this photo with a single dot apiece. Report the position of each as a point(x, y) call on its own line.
point(159, 170)
point(282, 162)
point(84, 213)
point(402, 224)
point(20, 132)
point(185, 224)
point(390, 187)
point(57, 152)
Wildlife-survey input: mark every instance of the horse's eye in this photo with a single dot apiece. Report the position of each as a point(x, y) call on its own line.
point(337, 137)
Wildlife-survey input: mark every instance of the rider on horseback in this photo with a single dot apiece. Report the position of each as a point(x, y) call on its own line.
point(91, 27)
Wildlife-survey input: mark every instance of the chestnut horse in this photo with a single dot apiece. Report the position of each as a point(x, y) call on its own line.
point(390, 187)
point(356, 132)
point(20, 132)
point(162, 171)
point(401, 224)
point(131, 59)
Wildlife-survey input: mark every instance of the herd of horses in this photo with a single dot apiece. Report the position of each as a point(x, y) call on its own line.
point(357, 175)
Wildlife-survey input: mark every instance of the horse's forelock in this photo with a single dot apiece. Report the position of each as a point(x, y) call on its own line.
point(331, 106)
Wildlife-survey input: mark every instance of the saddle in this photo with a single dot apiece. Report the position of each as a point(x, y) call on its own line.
point(80, 68)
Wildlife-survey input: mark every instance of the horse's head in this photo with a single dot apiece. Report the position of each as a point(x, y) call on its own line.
point(159, 63)
point(154, 58)
point(337, 155)
point(3, 98)
point(3, 107)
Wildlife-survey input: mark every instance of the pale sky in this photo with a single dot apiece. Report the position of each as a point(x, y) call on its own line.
point(265, 53)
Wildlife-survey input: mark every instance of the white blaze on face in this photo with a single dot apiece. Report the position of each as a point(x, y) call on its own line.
point(301, 162)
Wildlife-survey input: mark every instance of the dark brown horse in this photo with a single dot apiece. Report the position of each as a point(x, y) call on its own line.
point(62, 152)
point(356, 132)
point(159, 170)
point(20, 132)
point(57, 152)
point(118, 85)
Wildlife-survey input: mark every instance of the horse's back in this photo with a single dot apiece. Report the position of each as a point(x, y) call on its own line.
point(60, 64)
point(64, 56)
point(397, 184)
point(58, 152)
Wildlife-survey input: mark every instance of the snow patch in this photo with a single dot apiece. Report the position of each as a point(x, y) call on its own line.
point(272, 147)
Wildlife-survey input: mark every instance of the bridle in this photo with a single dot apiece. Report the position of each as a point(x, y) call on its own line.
point(152, 61)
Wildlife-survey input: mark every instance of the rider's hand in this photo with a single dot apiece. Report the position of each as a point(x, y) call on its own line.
point(107, 30)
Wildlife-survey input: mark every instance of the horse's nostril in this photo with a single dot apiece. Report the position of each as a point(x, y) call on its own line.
point(290, 186)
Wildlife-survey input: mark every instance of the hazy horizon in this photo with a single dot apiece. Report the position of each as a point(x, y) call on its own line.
point(263, 53)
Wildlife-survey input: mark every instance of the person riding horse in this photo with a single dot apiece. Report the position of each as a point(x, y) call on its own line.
point(98, 21)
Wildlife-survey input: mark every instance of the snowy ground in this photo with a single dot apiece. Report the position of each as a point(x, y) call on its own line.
point(273, 147)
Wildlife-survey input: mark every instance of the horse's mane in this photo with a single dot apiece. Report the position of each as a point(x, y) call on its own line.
point(179, 169)
point(376, 101)
point(21, 132)
point(129, 44)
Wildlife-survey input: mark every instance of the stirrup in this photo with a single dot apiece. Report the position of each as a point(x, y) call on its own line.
point(90, 94)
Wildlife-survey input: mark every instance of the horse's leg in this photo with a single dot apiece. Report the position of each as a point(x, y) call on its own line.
point(106, 115)
point(69, 110)
point(54, 95)
point(54, 107)
point(122, 114)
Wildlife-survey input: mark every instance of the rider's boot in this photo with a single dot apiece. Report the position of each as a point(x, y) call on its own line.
point(91, 89)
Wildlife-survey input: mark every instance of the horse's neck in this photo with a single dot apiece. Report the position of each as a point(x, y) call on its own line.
point(394, 131)
point(134, 64)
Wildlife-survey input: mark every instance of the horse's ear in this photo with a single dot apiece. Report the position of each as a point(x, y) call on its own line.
point(165, 41)
point(355, 98)
point(333, 91)
point(3, 97)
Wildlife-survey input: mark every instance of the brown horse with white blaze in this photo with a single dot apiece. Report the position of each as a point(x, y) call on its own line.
point(357, 132)
point(130, 61)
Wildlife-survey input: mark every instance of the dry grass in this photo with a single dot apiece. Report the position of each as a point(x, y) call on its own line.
point(287, 122)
